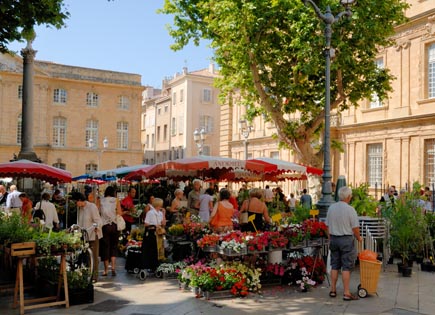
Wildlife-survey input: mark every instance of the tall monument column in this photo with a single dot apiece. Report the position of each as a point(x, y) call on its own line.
point(26, 151)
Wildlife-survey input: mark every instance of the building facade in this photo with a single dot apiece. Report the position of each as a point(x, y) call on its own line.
point(188, 102)
point(392, 141)
point(76, 110)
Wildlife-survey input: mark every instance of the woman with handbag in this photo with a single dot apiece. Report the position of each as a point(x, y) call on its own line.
point(254, 206)
point(110, 208)
point(152, 244)
point(223, 211)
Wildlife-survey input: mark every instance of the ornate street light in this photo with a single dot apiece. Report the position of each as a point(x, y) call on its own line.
point(245, 130)
point(199, 136)
point(92, 145)
point(328, 18)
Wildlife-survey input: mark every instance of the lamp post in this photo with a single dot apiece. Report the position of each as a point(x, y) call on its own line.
point(245, 130)
point(199, 136)
point(328, 18)
point(92, 145)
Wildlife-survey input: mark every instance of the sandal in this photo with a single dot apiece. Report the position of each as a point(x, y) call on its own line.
point(104, 274)
point(333, 294)
point(113, 273)
point(350, 297)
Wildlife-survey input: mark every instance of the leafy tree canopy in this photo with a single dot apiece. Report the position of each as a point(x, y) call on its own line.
point(18, 17)
point(271, 52)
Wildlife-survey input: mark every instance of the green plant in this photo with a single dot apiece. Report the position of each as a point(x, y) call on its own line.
point(300, 214)
point(364, 204)
point(13, 229)
point(408, 227)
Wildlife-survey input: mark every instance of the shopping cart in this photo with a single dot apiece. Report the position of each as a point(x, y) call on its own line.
point(369, 276)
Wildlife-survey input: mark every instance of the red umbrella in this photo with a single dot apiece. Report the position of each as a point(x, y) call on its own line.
point(26, 168)
point(282, 167)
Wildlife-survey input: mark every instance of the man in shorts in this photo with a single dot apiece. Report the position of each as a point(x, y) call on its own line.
point(343, 226)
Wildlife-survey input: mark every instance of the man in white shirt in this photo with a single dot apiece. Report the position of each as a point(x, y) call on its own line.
point(13, 201)
point(268, 194)
point(51, 217)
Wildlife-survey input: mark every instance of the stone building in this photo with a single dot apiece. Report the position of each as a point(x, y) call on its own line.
point(73, 105)
point(392, 141)
point(187, 102)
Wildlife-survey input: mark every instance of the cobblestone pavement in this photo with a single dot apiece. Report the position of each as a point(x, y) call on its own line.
point(125, 294)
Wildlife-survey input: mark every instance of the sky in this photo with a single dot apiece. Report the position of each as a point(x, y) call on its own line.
point(120, 35)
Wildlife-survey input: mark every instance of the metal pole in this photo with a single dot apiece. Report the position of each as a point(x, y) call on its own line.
point(246, 147)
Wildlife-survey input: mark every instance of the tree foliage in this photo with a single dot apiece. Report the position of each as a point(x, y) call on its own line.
point(271, 52)
point(18, 17)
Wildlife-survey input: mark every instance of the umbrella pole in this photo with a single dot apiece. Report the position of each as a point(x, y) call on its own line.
point(66, 211)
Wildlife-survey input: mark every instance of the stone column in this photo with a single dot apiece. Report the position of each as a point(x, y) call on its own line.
point(26, 151)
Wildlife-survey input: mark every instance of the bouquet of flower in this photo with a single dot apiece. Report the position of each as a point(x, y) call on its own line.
point(234, 245)
point(305, 283)
point(256, 241)
point(314, 229)
point(176, 230)
point(194, 229)
point(277, 240)
point(294, 232)
point(208, 240)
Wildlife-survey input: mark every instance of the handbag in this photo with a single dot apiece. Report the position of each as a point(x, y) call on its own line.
point(120, 223)
point(160, 230)
point(244, 215)
point(38, 213)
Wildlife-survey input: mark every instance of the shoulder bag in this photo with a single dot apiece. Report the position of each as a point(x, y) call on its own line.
point(38, 213)
point(120, 223)
point(244, 215)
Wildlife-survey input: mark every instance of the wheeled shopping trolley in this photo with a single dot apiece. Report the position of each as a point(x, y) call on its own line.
point(369, 276)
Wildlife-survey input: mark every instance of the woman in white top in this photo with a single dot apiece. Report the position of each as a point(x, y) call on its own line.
point(176, 214)
point(109, 207)
point(90, 220)
point(206, 205)
point(152, 244)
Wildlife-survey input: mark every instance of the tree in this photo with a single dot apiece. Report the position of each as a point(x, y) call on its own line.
point(19, 17)
point(271, 52)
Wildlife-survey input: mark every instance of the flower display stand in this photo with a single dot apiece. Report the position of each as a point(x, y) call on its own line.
point(27, 251)
point(297, 245)
point(224, 294)
point(176, 238)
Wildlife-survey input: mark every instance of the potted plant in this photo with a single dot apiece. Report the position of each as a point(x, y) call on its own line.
point(408, 228)
point(364, 204)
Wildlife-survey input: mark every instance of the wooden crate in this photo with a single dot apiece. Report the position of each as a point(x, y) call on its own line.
point(23, 249)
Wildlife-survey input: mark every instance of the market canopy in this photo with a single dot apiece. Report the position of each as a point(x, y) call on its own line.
point(277, 166)
point(25, 168)
point(199, 166)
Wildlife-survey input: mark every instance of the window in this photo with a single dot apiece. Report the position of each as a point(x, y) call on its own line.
point(159, 110)
point(123, 102)
point(181, 96)
point(431, 71)
point(92, 99)
point(59, 132)
point(158, 134)
point(173, 126)
point(274, 155)
point(91, 168)
point(165, 132)
point(122, 135)
point(429, 162)
point(147, 143)
point(180, 124)
point(206, 122)
point(153, 140)
point(166, 108)
point(174, 98)
point(19, 128)
point(206, 95)
point(91, 132)
point(59, 96)
point(374, 164)
point(60, 165)
point(375, 102)
point(20, 92)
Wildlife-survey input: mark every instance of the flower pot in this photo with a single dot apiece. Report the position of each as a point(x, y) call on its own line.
point(81, 296)
point(406, 271)
point(304, 290)
point(399, 267)
point(275, 257)
point(210, 249)
point(218, 294)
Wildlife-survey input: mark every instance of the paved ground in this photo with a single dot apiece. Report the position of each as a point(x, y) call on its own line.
point(125, 294)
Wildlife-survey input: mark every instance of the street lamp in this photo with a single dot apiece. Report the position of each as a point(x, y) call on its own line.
point(245, 130)
point(91, 145)
point(199, 136)
point(328, 18)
